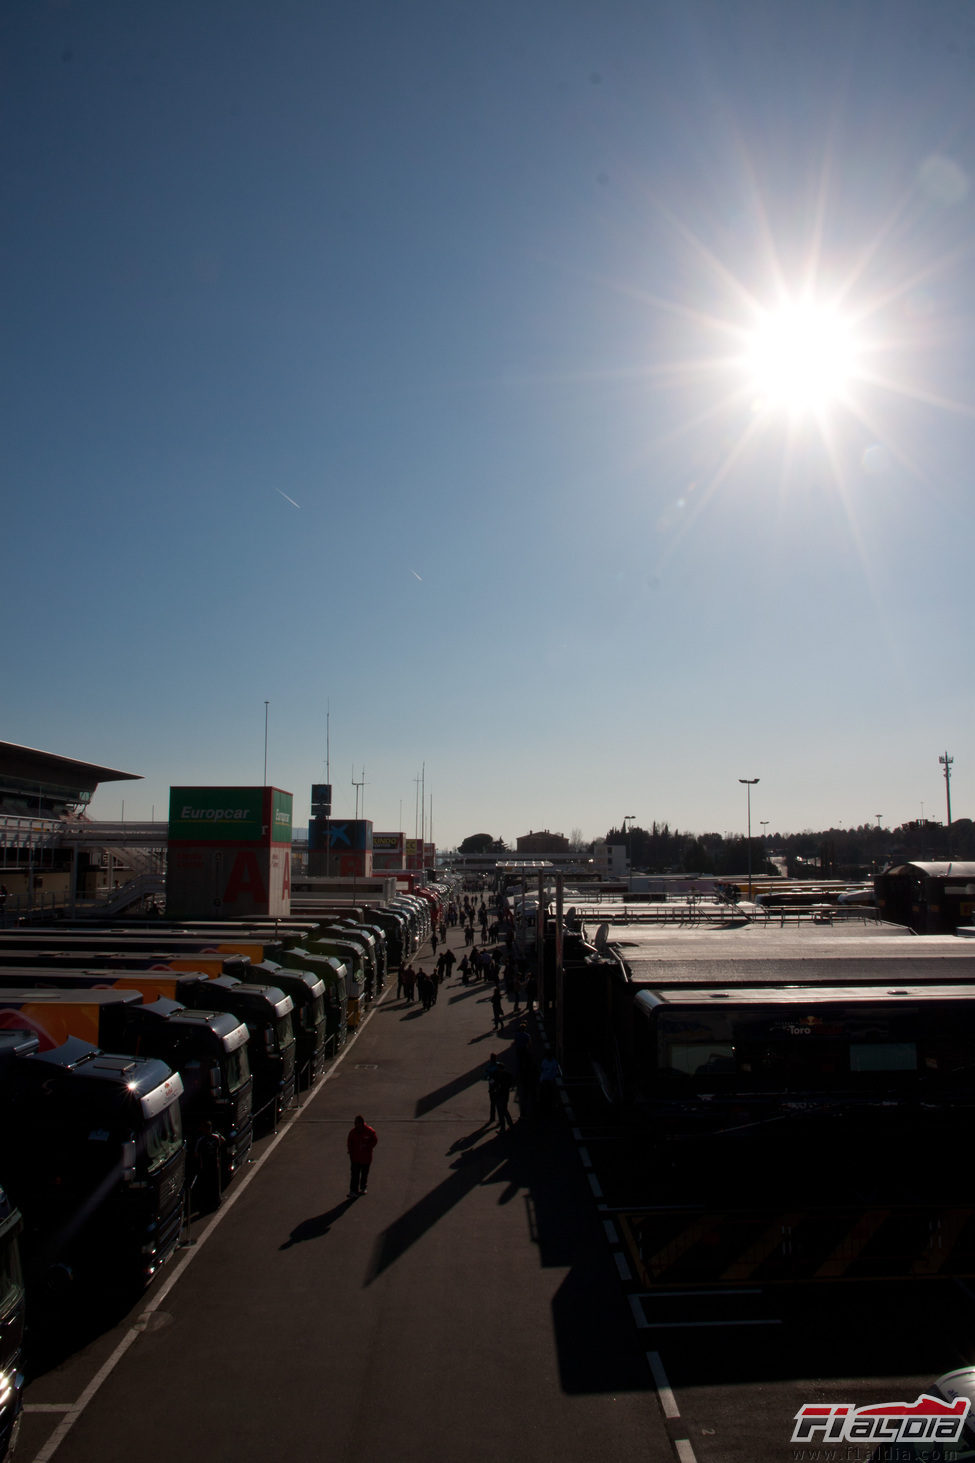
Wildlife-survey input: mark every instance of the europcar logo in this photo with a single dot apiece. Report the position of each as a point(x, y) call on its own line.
point(929, 1419)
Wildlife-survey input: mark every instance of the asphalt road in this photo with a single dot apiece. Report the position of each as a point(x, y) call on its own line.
point(467, 1307)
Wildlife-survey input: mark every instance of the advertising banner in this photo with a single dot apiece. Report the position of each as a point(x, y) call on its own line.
point(388, 851)
point(216, 814)
point(230, 815)
point(349, 835)
point(280, 819)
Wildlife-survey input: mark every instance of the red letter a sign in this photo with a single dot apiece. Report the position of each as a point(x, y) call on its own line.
point(246, 883)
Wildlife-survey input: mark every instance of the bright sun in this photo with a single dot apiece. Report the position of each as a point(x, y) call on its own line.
point(800, 357)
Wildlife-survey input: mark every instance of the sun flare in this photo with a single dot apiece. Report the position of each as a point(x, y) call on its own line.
point(801, 357)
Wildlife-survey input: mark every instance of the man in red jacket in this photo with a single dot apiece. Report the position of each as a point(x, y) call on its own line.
point(360, 1143)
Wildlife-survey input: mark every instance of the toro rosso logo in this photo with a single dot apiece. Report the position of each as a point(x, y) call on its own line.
point(929, 1419)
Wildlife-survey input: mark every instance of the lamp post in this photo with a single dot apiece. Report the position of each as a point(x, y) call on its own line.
point(749, 783)
point(764, 822)
point(946, 762)
point(266, 705)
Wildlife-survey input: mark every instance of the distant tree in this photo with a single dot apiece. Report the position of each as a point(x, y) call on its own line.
point(696, 859)
point(478, 843)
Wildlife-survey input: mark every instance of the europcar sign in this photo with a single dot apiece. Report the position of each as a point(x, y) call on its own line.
point(229, 852)
point(229, 815)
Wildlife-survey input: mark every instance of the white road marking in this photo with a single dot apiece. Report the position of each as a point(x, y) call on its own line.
point(668, 1401)
point(622, 1265)
point(685, 1452)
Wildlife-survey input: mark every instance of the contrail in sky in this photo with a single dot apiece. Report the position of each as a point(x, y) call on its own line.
point(290, 500)
point(416, 575)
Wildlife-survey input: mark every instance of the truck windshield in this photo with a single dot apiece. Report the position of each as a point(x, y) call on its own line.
point(313, 1014)
point(763, 1049)
point(163, 1137)
point(285, 1033)
point(237, 1068)
point(11, 1280)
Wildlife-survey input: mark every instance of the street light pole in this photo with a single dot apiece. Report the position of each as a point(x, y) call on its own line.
point(749, 783)
point(946, 762)
point(266, 705)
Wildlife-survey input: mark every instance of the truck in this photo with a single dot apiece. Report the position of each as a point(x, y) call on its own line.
point(362, 926)
point(266, 1011)
point(12, 1313)
point(93, 1157)
point(778, 1131)
point(333, 974)
point(348, 953)
point(207, 1048)
point(340, 939)
point(307, 992)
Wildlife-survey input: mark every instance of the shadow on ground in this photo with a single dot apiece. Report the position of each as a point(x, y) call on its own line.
point(449, 1090)
point(318, 1226)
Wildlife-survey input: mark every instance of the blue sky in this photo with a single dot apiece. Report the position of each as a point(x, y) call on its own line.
point(392, 361)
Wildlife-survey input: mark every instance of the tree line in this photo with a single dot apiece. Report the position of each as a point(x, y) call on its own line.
point(825, 853)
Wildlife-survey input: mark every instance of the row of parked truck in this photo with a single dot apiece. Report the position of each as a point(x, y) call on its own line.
point(120, 1047)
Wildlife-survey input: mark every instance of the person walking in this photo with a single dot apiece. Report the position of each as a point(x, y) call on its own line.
point(497, 1009)
point(360, 1143)
point(490, 1072)
point(501, 1083)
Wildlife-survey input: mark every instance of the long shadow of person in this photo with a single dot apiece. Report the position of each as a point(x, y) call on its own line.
point(316, 1227)
point(460, 1145)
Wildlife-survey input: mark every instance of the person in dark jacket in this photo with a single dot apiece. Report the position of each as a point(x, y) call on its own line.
point(207, 1155)
point(361, 1141)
